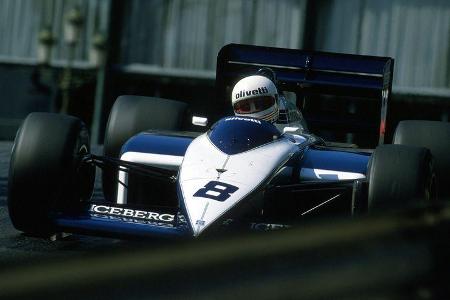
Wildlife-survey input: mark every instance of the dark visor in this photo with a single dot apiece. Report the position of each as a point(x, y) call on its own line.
point(254, 105)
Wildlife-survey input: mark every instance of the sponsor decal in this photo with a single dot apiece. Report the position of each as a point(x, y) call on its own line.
point(227, 222)
point(181, 219)
point(134, 221)
point(243, 119)
point(259, 91)
point(200, 223)
point(267, 227)
point(130, 213)
point(255, 226)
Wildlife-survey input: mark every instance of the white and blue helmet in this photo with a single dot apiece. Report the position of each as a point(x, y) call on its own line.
point(255, 96)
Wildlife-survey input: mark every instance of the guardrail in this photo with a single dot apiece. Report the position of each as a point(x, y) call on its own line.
point(397, 255)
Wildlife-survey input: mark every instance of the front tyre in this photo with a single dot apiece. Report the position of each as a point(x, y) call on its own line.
point(46, 171)
point(131, 115)
point(400, 176)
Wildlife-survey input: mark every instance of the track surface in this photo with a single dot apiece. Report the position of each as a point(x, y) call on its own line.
point(17, 249)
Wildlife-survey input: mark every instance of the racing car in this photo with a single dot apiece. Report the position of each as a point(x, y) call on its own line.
point(161, 180)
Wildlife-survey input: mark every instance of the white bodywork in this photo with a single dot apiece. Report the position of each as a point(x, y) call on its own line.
point(204, 163)
point(321, 174)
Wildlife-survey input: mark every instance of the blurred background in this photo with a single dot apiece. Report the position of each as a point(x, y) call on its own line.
point(77, 56)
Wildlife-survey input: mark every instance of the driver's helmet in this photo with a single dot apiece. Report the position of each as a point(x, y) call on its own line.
point(255, 96)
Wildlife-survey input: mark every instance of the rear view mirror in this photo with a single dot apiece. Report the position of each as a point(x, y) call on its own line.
point(199, 121)
point(290, 129)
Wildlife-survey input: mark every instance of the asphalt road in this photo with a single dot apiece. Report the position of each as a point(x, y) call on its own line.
point(17, 249)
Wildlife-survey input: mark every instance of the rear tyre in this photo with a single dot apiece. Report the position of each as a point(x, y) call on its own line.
point(400, 176)
point(435, 136)
point(45, 172)
point(131, 115)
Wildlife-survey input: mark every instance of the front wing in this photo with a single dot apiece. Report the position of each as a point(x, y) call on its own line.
point(284, 206)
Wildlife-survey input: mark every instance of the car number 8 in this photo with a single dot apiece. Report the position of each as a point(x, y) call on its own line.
point(216, 190)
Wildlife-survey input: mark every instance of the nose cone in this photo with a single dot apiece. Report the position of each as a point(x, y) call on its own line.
point(208, 187)
point(212, 183)
point(207, 200)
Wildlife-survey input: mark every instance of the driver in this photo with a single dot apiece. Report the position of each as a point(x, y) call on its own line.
point(256, 96)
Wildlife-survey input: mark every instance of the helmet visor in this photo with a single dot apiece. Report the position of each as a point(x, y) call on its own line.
point(254, 105)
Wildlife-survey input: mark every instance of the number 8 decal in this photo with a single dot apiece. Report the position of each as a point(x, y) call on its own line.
point(216, 190)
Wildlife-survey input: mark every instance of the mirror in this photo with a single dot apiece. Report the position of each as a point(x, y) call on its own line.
point(290, 129)
point(199, 121)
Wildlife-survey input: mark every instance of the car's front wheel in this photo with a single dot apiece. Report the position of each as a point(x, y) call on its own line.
point(400, 176)
point(46, 170)
point(131, 115)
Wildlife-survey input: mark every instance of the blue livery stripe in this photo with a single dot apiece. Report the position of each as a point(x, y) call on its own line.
point(91, 225)
point(335, 160)
point(157, 144)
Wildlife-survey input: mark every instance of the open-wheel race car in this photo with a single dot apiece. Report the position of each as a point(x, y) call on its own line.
point(242, 172)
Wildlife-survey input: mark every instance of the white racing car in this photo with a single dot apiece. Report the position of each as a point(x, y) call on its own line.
point(241, 173)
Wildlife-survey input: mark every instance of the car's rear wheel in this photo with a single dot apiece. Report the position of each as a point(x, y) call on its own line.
point(400, 177)
point(46, 172)
point(435, 136)
point(131, 115)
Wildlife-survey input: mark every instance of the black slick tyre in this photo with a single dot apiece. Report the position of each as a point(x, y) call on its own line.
point(400, 177)
point(45, 171)
point(434, 136)
point(131, 115)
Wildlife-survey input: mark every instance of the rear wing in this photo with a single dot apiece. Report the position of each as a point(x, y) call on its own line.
point(310, 72)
